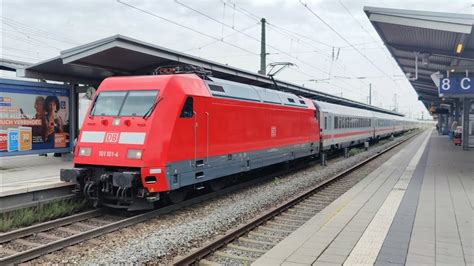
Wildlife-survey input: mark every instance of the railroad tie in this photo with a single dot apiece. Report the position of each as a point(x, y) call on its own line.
point(305, 210)
point(86, 226)
point(293, 227)
point(7, 251)
point(253, 241)
point(234, 246)
point(277, 238)
point(278, 218)
point(274, 229)
point(49, 236)
point(205, 262)
point(230, 256)
point(296, 216)
point(27, 243)
point(99, 221)
point(313, 200)
point(309, 205)
point(68, 230)
point(304, 214)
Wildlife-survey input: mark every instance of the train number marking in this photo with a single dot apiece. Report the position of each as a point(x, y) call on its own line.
point(112, 137)
point(273, 131)
point(113, 154)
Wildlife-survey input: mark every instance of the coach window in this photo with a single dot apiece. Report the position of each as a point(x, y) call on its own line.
point(187, 111)
point(325, 123)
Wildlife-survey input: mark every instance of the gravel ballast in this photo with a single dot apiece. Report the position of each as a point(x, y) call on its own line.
point(161, 239)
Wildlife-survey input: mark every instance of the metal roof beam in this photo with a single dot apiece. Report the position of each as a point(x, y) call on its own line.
point(467, 55)
point(421, 19)
point(426, 91)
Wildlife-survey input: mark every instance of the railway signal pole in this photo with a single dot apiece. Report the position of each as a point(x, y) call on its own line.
point(370, 93)
point(263, 53)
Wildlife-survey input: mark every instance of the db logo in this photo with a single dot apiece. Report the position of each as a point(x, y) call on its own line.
point(112, 137)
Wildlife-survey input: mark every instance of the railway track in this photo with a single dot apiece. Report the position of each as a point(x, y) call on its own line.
point(31, 242)
point(248, 242)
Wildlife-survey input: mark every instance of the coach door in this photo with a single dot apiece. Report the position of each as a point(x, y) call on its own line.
point(201, 138)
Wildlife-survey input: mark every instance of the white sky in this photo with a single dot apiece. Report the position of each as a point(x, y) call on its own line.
point(36, 30)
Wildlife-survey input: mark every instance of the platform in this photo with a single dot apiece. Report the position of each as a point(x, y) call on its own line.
point(30, 179)
point(415, 209)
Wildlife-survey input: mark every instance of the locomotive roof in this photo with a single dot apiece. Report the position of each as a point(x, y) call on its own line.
point(225, 88)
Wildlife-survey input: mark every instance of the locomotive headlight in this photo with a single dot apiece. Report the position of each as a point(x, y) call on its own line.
point(134, 154)
point(116, 121)
point(83, 151)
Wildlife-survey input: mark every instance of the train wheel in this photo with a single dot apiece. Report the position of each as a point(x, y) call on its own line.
point(217, 184)
point(177, 196)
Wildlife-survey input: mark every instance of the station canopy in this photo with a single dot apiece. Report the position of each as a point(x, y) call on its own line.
point(12, 65)
point(119, 55)
point(442, 42)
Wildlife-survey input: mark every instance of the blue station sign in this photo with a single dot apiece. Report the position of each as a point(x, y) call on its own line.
point(456, 87)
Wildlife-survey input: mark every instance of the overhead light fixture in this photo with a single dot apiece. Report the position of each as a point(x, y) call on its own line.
point(425, 58)
point(452, 70)
point(459, 48)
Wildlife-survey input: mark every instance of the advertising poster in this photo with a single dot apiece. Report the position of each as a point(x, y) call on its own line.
point(33, 119)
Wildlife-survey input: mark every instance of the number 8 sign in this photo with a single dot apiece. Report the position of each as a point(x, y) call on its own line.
point(456, 87)
point(445, 84)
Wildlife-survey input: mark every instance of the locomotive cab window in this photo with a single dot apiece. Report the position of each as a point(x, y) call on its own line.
point(138, 103)
point(188, 109)
point(124, 103)
point(108, 103)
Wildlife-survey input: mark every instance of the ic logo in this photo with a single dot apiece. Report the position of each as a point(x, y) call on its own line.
point(112, 137)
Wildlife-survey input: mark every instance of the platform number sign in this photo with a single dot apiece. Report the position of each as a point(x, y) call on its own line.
point(456, 87)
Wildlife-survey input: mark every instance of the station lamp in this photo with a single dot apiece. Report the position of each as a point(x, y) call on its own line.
point(459, 48)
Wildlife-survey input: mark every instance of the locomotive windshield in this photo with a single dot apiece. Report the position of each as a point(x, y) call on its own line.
point(124, 103)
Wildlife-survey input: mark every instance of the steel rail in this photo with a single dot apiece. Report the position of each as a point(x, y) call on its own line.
point(199, 253)
point(101, 230)
point(26, 231)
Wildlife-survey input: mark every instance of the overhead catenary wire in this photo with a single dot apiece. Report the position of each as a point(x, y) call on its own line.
point(356, 20)
point(278, 28)
point(33, 31)
point(249, 36)
point(28, 38)
point(225, 37)
point(343, 38)
point(296, 35)
point(183, 26)
point(217, 39)
point(364, 29)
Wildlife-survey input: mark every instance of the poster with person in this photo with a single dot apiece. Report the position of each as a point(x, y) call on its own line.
point(33, 118)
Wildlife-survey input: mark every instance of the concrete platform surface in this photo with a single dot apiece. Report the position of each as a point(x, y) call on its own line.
point(415, 209)
point(22, 174)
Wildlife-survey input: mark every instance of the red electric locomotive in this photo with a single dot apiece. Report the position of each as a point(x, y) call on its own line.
point(146, 137)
